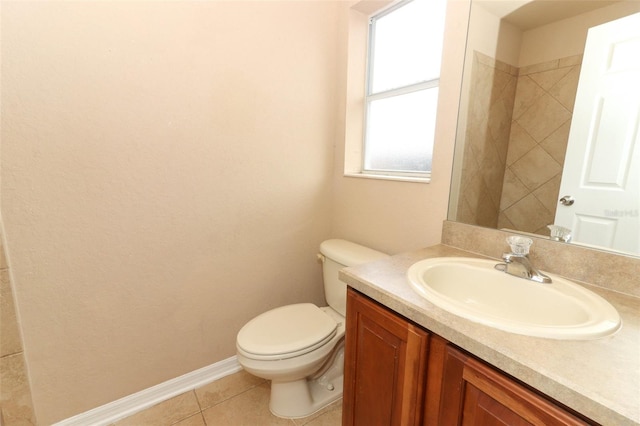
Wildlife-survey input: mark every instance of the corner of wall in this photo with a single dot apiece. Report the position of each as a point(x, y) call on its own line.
point(16, 406)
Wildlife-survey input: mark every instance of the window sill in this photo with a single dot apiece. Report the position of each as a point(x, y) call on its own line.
point(415, 179)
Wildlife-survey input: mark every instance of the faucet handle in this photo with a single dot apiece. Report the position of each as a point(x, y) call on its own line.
point(560, 233)
point(519, 245)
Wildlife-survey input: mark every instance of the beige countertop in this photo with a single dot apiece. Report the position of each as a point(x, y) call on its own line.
point(599, 378)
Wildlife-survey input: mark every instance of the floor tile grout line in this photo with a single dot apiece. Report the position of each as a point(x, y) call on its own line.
point(197, 399)
point(227, 399)
point(199, 413)
point(192, 414)
point(204, 419)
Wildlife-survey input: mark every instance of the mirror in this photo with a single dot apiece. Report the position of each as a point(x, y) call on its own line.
point(522, 67)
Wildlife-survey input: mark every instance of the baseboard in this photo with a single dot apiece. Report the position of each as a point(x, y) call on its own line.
point(124, 407)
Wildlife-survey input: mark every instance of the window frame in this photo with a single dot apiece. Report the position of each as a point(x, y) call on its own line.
point(369, 97)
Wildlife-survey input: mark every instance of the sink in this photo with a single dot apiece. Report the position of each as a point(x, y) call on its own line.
point(475, 290)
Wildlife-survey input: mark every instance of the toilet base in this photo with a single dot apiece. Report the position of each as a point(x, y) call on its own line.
point(301, 398)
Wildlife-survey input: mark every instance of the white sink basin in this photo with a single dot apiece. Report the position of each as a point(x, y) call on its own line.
point(474, 289)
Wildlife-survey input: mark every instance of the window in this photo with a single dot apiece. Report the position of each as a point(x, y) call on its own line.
point(403, 71)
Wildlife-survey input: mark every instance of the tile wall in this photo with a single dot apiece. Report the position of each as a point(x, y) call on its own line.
point(15, 395)
point(517, 131)
point(540, 126)
point(490, 112)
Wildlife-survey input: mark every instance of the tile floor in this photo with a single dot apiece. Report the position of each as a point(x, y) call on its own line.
point(236, 400)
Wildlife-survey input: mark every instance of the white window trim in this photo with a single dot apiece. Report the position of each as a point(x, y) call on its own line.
point(365, 174)
point(404, 90)
point(359, 19)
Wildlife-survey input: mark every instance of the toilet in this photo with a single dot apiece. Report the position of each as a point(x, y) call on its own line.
point(300, 347)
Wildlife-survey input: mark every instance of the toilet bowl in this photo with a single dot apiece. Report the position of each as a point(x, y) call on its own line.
point(300, 347)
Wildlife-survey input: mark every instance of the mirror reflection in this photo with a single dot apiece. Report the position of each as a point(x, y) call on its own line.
point(522, 132)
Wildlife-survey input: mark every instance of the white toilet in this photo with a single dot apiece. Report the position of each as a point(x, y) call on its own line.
point(300, 347)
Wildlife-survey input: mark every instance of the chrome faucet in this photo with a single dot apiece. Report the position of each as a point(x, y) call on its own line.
point(517, 262)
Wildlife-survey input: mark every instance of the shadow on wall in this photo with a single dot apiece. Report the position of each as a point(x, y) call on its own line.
point(16, 407)
point(488, 127)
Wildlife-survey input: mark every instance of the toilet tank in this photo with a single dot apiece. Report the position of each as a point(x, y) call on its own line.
point(337, 254)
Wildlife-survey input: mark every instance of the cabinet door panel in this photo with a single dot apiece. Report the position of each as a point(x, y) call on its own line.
point(481, 409)
point(387, 387)
point(435, 378)
point(452, 387)
point(476, 394)
point(499, 394)
point(376, 372)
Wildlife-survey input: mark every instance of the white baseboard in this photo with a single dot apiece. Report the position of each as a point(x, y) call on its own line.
point(124, 407)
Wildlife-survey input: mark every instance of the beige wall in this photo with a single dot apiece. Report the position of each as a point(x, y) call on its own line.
point(165, 177)
point(401, 216)
point(541, 44)
point(168, 172)
point(492, 36)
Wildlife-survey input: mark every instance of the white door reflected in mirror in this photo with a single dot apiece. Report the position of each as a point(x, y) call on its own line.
point(602, 164)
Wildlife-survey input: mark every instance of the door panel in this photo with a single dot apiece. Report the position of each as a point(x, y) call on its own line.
point(602, 164)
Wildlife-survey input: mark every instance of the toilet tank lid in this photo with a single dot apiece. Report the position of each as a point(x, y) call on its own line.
point(348, 253)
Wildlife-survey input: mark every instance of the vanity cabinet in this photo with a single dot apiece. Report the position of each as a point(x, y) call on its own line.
point(397, 373)
point(385, 366)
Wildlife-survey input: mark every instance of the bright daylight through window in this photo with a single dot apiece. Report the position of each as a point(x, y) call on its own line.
point(405, 49)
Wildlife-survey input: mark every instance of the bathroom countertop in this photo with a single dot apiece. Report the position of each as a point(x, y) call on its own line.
point(599, 378)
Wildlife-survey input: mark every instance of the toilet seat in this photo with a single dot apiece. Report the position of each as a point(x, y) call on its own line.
point(286, 332)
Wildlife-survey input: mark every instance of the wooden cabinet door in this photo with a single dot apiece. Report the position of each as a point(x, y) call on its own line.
point(475, 394)
point(385, 363)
